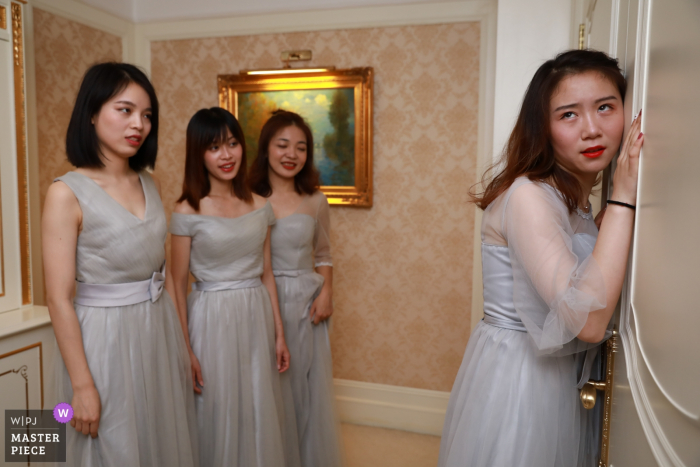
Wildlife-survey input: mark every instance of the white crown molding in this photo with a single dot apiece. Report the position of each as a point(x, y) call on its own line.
point(349, 18)
point(394, 407)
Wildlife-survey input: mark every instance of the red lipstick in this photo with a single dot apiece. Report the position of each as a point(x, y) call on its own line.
point(593, 152)
point(134, 140)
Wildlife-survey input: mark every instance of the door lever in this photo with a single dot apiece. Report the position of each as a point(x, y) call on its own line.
point(589, 394)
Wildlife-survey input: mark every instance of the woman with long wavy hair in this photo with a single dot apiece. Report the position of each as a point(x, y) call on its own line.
point(551, 278)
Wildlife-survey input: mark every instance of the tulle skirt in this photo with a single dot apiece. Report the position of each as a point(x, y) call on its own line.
point(311, 372)
point(241, 411)
point(511, 408)
point(141, 369)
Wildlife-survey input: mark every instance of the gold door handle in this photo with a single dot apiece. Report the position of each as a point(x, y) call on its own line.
point(589, 393)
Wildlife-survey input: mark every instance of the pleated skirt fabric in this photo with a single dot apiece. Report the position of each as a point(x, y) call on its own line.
point(141, 369)
point(311, 372)
point(511, 408)
point(241, 411)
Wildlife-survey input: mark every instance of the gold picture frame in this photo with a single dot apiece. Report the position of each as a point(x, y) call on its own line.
point(346, 174)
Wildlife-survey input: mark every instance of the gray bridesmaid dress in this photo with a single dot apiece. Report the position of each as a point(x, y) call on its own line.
point(240, 412)
point(515, 401)
point(301, 242)
point(136, 353)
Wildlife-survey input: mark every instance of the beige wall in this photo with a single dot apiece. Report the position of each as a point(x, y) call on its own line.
point(403, 269)
point(63, 51)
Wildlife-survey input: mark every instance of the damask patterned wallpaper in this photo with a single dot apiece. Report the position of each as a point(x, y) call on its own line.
point(403, 269)
point(64, 50)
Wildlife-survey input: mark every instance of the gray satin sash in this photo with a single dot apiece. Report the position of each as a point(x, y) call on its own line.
point(226, 285)
point(505, 323)
point(130, 293)
point(519, 326)
point(293, 272)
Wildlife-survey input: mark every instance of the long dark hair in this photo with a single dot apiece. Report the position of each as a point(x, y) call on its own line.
point(101, 83)
point(307, 180)
point(529, 150)
point(206, 127)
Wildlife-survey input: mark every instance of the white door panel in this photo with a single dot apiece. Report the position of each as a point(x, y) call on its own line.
point(667, 254)
point(656, 408)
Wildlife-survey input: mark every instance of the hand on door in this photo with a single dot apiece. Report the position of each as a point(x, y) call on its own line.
point(627, 171)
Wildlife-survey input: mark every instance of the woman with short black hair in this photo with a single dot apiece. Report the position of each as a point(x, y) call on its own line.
point(124, 366)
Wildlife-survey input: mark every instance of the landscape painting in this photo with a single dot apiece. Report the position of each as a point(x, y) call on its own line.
point(329, 112)
point(337, 105)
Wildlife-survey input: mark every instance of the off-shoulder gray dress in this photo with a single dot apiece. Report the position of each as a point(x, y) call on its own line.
point(300, 242)
point(136, 353)
point(240, 412)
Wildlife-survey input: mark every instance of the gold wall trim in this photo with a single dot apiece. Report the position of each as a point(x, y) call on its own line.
point(3, 25)
point(41, 368)
point(20, 124)
point(2, 253)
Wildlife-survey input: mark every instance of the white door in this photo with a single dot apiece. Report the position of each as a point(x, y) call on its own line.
point(655, 418)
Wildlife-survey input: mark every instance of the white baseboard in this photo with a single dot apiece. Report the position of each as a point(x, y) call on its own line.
point(395, 407)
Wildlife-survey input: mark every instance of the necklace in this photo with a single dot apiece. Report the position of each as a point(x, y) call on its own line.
point(586, 215)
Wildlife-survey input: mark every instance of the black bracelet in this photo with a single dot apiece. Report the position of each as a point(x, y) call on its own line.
point(620, 203)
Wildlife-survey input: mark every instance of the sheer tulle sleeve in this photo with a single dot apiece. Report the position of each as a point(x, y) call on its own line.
point(322, 235)
point(554, 289)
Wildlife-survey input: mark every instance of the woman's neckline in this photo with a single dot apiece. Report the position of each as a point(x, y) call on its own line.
point(143, 189)
point(225, 217)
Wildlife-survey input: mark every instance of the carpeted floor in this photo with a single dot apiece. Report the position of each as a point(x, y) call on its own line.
point(367, 446)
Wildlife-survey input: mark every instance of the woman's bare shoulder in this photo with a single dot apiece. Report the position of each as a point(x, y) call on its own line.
point(60, 194)
point(259, 201)
point(184, 207)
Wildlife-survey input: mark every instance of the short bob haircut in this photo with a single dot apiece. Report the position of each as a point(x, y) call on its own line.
point(529, 149)
point(207, 127)
point(307, 180)
point(101, 83)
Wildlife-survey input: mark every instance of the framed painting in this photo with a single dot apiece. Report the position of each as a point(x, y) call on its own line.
point(337, 105)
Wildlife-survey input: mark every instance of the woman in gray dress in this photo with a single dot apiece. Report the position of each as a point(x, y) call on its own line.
point(551, 279)
point(284, 173)
point(231, 320)
point(124, 367)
